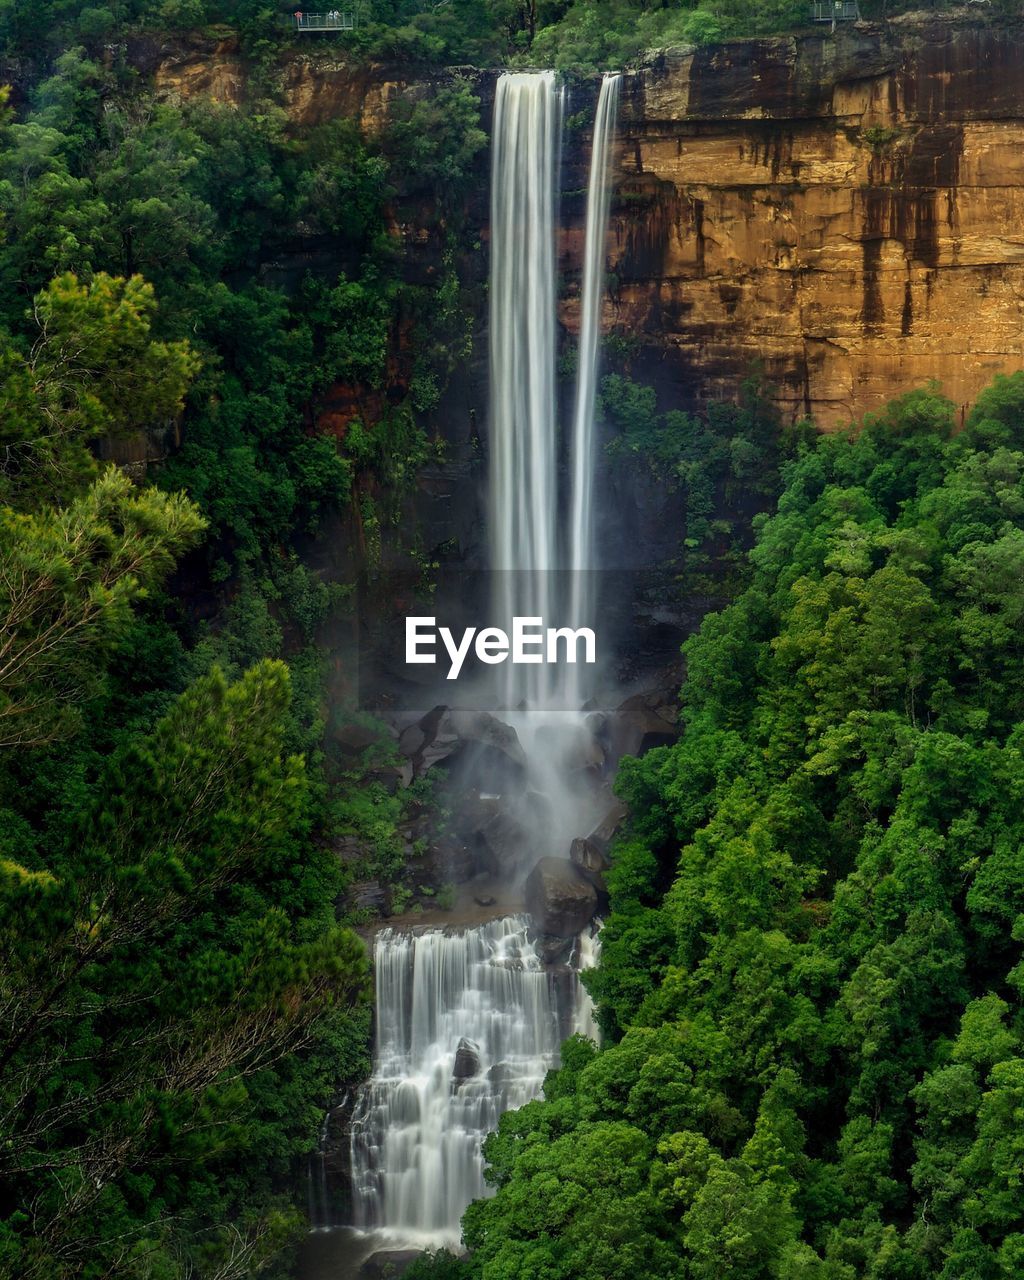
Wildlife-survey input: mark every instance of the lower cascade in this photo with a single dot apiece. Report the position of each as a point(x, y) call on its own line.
point(469, 1022)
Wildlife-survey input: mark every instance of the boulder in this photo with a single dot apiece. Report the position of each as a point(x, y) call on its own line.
point(590, 859)
point(606, 830)
point(558, 898)
point(640, 723)
point(467, 1061)
point(444, 731)
point(493, 828)
point(457, 862)
point(353, 738)
point(503, 842)
point(553, 950)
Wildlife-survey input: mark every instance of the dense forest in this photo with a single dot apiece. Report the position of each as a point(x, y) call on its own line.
point(810, 988)
point(572, 35)
point(810, 983)
point(181, 998)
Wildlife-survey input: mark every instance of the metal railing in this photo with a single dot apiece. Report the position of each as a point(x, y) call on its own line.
point(334, 20)
point(835, 11)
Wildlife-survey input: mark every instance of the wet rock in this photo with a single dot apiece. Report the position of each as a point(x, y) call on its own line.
point(456, 861)
point(597, 726)
point(591, 862)
point(558, 898)
point(500, 1074)
point(640, 723)
point(447, 860)
point(552, 949)
point(388, 1264)
point(586, 757)
point(472, 812)
point(445, 731)
point(606, 830)
point(536, 808)
point(503, 842)
point(573, 746)
point(492, 827)
point(485, 900)
point(368, 895)
point(467, 1061)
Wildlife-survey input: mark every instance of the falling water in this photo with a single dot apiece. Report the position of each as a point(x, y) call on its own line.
point(523, 474)
point(544, 558)
point(581, 529)
point(420, 1122)
point(469, 1021)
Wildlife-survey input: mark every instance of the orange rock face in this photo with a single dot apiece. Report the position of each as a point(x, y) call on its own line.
point(846, 211)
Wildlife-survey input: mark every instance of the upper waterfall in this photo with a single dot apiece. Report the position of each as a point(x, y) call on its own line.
point(582, 560)
point(523, 471)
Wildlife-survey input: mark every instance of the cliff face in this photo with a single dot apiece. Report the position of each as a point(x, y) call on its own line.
point(845, 211)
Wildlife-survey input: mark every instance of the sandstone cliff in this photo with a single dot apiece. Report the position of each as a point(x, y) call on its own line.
point(845, 210)
point(848, 210)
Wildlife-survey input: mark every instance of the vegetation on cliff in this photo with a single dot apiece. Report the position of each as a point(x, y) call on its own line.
point(181, 999)
point(811, 978)
point(572, 35)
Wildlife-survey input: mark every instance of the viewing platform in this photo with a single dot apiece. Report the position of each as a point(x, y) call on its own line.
point(835, 11)
point(334, 20)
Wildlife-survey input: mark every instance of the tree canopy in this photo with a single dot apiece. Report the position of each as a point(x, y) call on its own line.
point(811, 979)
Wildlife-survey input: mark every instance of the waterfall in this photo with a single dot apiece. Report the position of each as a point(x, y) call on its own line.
point(523, 461)
point(581, 530)
point(543, 563)
point(468, 1023)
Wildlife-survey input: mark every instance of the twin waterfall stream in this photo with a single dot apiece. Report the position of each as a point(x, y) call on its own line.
point(483, 994)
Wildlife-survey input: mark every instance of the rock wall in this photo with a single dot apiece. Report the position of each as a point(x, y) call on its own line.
point(844, 211)
point(847, 210)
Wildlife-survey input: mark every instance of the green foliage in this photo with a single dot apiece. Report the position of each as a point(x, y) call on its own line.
point(574, 35)
point(878, 136)
point(432, 143)
point(68, 579)
point(161, 967)
point(93, 370)
point(724, 463)
point(811, 977)
point(180, 1003)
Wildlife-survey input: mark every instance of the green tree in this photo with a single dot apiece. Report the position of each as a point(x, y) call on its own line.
point(93, 369)
point(154, 976)
point(68, 579)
